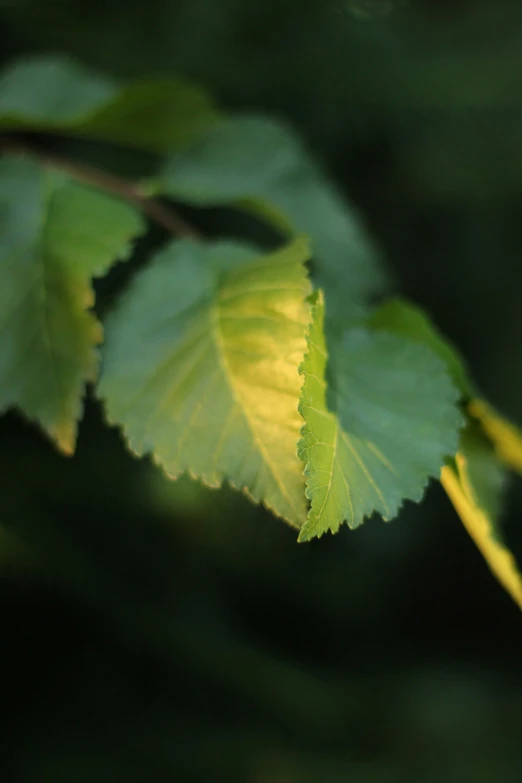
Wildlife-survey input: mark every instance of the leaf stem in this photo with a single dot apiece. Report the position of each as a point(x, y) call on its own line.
point(164, 216)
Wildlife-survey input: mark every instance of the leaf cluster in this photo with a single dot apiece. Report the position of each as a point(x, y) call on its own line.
point(270, 368)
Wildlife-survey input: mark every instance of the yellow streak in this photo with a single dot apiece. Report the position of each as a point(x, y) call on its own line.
point(506, 438)
point(480, 527)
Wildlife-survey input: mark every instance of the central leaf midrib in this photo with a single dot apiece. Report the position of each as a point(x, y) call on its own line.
point(215, 319)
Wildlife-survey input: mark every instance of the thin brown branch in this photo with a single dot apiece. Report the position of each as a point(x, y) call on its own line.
point(164, 216)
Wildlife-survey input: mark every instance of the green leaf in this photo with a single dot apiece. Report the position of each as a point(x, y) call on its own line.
point(261, 166)
point(404, 318)
point(201, 367)
point(54, 94)
point(474, 482)
point(505, 436)
point(54, 236)
point(390, 420)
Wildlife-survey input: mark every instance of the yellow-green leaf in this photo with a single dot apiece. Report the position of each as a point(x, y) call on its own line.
point(54, 237)
point(201, 367)
point(505, 436)
point(382, 428)
point(473, 482)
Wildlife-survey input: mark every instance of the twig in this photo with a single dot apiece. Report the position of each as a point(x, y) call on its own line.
point(164, 216)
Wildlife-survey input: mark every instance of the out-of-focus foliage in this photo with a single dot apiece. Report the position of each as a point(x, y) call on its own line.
point(506, 438)
point(55, 95)
point(474, 481)
point(55, 236)
point(257, 164)
point(158, 631)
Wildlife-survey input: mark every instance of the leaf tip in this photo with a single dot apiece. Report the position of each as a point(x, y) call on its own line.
point(64, 438)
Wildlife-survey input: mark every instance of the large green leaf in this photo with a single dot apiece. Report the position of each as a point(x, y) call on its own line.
point(399, 316)
point(386, 425)
point(260, 165)
point(54, 236)
point(201, 367)
point(474, 482)
point(54, 94)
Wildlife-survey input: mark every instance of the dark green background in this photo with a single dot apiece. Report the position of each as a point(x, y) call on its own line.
point(159, 632)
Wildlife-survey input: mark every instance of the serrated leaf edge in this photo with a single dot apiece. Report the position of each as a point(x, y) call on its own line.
point(305, 535)
point(190, 472)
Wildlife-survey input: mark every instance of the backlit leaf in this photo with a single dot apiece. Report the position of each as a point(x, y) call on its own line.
point(54, 237)
point(379, 432)
point(201, 367)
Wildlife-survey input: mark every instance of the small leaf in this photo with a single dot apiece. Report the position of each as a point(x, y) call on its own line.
point(261, 166)
point(390, 420)
point(474, 483)
point(54, 236)
point(54, 94)
point(403, 318)
point(506, 437)
point(201, 367)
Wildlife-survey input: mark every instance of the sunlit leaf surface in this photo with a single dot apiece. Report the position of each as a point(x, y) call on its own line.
point(201, 367)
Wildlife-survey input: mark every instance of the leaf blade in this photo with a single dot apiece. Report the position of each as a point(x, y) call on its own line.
point(362, 441)
point(204, 376)
point(261, 166)
point(402, 317)
point(48, 254)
